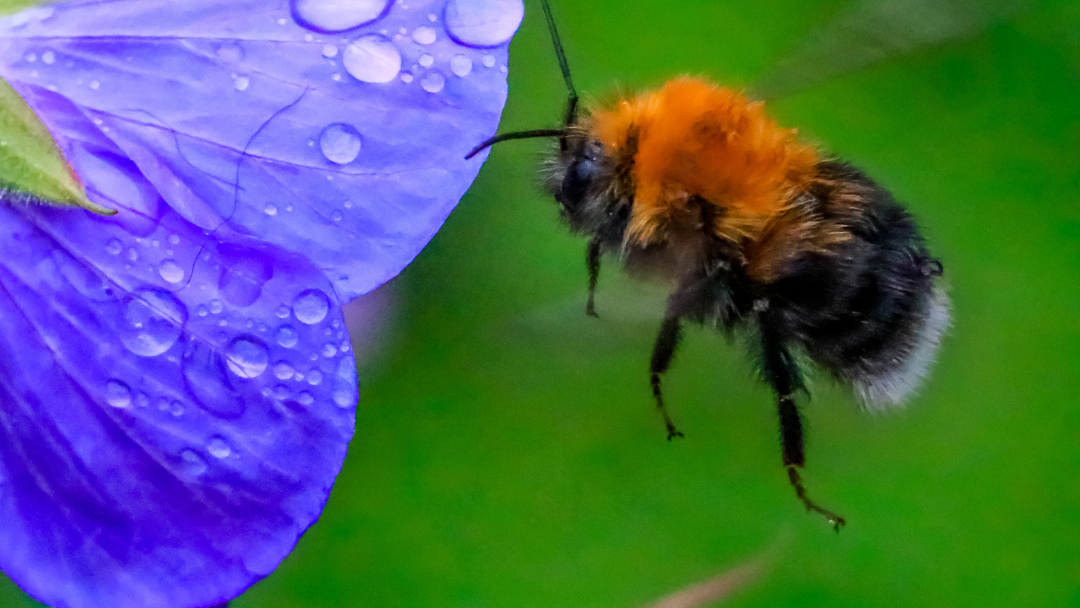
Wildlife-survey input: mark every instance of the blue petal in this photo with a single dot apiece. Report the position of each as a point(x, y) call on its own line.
point(176, 387)
point(236, 114)
point(175, 407)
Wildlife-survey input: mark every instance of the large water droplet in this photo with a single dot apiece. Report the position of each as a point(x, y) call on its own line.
point(218, 447)
point(433, 82)
point(340, 143)
point(247, 357)
point(311, 306)
point(372, 59)
point(243, 273)
point(192, 462)
point(286, 336)
point(345, 383)
point(483, 23)
point(171, 271)
point(338, 15)
point(461, 65)
point(117, 394)
point(207, 381)
point(152, 321)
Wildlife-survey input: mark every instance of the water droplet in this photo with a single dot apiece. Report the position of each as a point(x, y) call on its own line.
point(283, 371)
point(117, 394)
point(241, 83)
point(433, 82)
point(305, 398)
point(30, 57)
point(488, 61)
point(48, 57)
point(95, 85)
point(483, 23)
point(243, 273)
point(247, 357)
point(176, 409)
point(152, 322)
point(331, 16)
point(171, 271)
point(218, 447)
point(270, 209)
point(406, 77)
point(311, 306)
point(216, 307)
point(229, 52)
point(193, 463)
point(286, 336)
point(340, 143)
point(114, 247)
point(426, 60)
point(372, 58)
point(309, 38)
point(282, 312)
point(329, 350)
point(329, 51)
point(314, 377)
point(174, 239)
point(461, 65)
point(132, 255)
point(202, 311)
point(424, 35)
point(432, 18)
point(345, 383)
point(281, 392)
point(337, 216)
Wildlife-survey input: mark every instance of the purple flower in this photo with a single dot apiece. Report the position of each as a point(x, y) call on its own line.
point(177, 389)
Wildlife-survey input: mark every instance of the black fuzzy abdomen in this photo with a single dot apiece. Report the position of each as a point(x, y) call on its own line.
point(867, 310)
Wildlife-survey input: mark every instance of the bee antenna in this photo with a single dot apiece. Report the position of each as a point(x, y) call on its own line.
point(516, 135)
point(572, 98)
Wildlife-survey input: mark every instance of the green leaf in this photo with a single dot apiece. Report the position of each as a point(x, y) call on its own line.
point(30, 161)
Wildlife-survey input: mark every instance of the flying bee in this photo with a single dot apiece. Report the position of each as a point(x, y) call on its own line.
point(757, 232)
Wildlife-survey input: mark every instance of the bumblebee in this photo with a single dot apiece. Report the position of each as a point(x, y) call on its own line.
point(758, 233)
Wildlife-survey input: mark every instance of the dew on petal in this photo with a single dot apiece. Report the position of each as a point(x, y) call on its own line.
point(329, 51)
point(171, 271)
point(426, 60)
point(95, 85)
point(114, 247)
point(216, 306)
point(433, 82)
point(152, 321)
point(424, 35)
point(218, 448)
point(305, 398)
point(117, 394)
point(286, 336)
point(207, 381)
point(247, 357)
point(337, 216)
point(243, 273)
point(311, 306)
point(488, 61)
point(345, 383)
point(314, 377)
point(461, 65)
point(283, 371)
point(241, 83)
point(48, 57)
point(192, 462)
point(340, 143)
point(281, 392)
point(406, 77)
point(329, 349)
point(483, 23)
point(229, 52)
point(202, 310)
point(329, 16)
point(270, 209)
point(372, 59)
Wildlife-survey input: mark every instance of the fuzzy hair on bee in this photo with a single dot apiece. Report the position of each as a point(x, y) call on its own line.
point(757, 233)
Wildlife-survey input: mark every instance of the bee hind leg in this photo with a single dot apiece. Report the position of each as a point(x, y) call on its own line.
point(782, 374)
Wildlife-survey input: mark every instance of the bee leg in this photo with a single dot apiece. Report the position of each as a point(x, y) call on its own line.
point(663, 352)
point(592, 261)
point(782, 374)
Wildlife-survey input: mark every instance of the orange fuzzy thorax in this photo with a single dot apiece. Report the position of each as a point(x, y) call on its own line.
point(694, 138)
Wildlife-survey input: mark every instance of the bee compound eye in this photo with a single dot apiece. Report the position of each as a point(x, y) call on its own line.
point(579, 175)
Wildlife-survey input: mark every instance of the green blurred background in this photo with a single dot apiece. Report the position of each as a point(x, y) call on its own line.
point(507, 453)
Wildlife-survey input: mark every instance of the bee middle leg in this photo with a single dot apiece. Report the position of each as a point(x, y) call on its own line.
point(782, 374)
point(663, 352)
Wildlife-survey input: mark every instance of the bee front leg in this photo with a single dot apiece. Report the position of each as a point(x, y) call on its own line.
point(663, 352)
point(781, 372)
point(592, 262)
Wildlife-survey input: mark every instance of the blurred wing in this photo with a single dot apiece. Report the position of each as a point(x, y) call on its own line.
point(869, 31)
point(177, 389)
